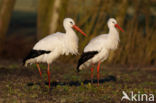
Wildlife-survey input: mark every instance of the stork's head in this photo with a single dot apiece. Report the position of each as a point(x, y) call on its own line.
point(113, 23)
point(69, 23)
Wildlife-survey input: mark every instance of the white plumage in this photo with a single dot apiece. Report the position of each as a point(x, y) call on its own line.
point(51, 47)
point(101, 44)
point(58, 44)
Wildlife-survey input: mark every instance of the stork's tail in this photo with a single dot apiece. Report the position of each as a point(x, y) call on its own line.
point(84, 58)
point(80, 67)
point(25, 62)
point(77, 68)
point(34, 54)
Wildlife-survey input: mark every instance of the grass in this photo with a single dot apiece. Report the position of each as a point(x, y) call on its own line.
point(20, 84)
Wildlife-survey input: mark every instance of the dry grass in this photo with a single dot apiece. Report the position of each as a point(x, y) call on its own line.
point(137, 42)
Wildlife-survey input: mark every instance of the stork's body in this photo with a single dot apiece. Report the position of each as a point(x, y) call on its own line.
point(55, 45)
point(99, 47)
point(51, 47)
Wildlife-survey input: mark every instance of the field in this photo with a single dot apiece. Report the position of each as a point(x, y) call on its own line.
point(19, 84)
point(132, 67)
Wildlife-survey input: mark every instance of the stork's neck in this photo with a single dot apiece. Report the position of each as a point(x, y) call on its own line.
point(71, 41)
point(70, 33)
point(113, 33)
point(113, 38)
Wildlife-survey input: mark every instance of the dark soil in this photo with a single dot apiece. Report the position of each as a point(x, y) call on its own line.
point(19, 84)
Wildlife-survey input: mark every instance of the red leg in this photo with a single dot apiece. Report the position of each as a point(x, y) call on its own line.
point(39, 70)
point(98, 69)
point(48, 72)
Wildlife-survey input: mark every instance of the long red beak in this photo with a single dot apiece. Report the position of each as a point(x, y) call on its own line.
point(117, 26)
point(79, 30)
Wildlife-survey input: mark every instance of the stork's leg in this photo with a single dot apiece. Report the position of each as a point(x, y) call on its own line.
point(39, 70)
point(98, 69)
point(48, 72)
point(92, 74)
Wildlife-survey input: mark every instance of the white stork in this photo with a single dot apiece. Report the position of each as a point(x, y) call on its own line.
point(52, 46)
point(99, 47)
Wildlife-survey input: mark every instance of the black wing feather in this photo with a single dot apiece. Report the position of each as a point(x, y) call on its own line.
point(35, 53)
point(85, 56)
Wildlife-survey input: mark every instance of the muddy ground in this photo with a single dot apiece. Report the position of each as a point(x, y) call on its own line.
point(24, 85)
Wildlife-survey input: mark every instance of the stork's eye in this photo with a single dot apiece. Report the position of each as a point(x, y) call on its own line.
point(71, 22)
point(113, 22)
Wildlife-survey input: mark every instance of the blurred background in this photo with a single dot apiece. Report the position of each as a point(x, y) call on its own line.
point(24, 22)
